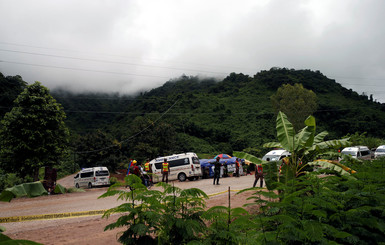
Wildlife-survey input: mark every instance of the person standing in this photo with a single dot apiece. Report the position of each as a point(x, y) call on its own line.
point(165, 170)
point(237, 165)
point(217, 171)
point(258, 175)
point(135, 168)
point(148, 169)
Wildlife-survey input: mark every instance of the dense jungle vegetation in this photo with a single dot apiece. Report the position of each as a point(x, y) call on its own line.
point(199, 115)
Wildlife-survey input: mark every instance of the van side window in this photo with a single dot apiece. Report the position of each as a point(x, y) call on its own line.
point(365, 153)
point(101, 173)
point(179, 162)
point(174, 163)
point(86, 175)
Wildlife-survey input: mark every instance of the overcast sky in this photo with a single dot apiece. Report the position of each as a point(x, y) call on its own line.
point(134, 45)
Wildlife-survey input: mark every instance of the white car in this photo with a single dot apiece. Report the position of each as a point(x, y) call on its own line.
point(275, 155)
point(380, 151)
point(359, 152)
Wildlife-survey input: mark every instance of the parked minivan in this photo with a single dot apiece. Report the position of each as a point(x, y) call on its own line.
point(380, 151)
point(359, 152)
point(275, 155)
point(182, 166)
point(90, 177)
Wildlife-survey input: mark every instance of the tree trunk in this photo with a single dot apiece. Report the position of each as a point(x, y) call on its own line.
point(36, 174)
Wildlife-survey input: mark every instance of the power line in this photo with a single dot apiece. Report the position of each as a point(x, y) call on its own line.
point(121, 56)
point(80, 69)
point(111, 62)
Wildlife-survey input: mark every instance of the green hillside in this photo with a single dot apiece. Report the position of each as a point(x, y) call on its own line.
point(214, 116)
point(210, 116)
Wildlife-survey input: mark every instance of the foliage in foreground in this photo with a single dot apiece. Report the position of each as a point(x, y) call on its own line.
point(5, 240)
point(172, 216)
point(335, 209)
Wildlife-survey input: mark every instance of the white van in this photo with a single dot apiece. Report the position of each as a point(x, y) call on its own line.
point(359, 152)
point(182, 166)
point(275, 155)
point(90, 177)
point(380, 151)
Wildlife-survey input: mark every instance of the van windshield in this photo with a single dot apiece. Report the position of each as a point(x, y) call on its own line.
point(102, 173)
point(352, 153)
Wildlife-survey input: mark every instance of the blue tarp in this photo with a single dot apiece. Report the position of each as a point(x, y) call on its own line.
point(209, 163)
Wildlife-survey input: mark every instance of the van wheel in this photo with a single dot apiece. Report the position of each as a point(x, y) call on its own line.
point(77, 185)
point(89, 185)
point(182, 177)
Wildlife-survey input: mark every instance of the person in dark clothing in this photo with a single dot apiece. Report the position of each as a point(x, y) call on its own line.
point(217, 171)
point(258, 175)
point(237, 165)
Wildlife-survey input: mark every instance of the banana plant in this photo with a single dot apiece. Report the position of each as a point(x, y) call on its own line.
point(305, 145)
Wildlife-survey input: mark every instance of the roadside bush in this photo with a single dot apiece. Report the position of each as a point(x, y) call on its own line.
point(334, 209)
point(8, 180)
point(113, 180)
point(171, 216)
point(73, 189)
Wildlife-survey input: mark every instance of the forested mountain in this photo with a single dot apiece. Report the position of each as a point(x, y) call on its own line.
point(210, 116)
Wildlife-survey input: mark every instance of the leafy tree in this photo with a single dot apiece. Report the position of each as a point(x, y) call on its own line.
point(97, 149)
point(147, 139)
point(296, 102)
point(10, 88)
point(33, 134)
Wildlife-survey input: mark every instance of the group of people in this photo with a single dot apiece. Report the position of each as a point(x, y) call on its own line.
point(147, 177)
point(217, 172)
point(146, 173)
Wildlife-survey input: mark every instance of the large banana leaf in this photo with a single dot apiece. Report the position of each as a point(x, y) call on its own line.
point(327, 145)
point(304, 138)
point(333, 165)
point(273, 145)
point(310, 123)
point(247, 156)
point(285, 132)
point(320, 137)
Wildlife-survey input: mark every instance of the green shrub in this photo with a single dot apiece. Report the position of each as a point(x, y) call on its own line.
point(73, 189)
point(113, 180)
point(8, 180)
point(171, 216)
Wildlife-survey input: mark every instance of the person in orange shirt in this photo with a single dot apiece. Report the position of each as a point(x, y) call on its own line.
point(165, 170)
point(148, 169)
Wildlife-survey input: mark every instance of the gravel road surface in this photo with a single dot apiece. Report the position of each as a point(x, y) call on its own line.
point(71, 230)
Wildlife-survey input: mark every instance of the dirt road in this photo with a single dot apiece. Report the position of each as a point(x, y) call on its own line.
point(89, 230)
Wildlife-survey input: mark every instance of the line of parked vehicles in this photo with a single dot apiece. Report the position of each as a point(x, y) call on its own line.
point(363, 152)
point(188, 166)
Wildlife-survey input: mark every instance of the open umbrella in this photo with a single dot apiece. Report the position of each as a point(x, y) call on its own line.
point(223, 156)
